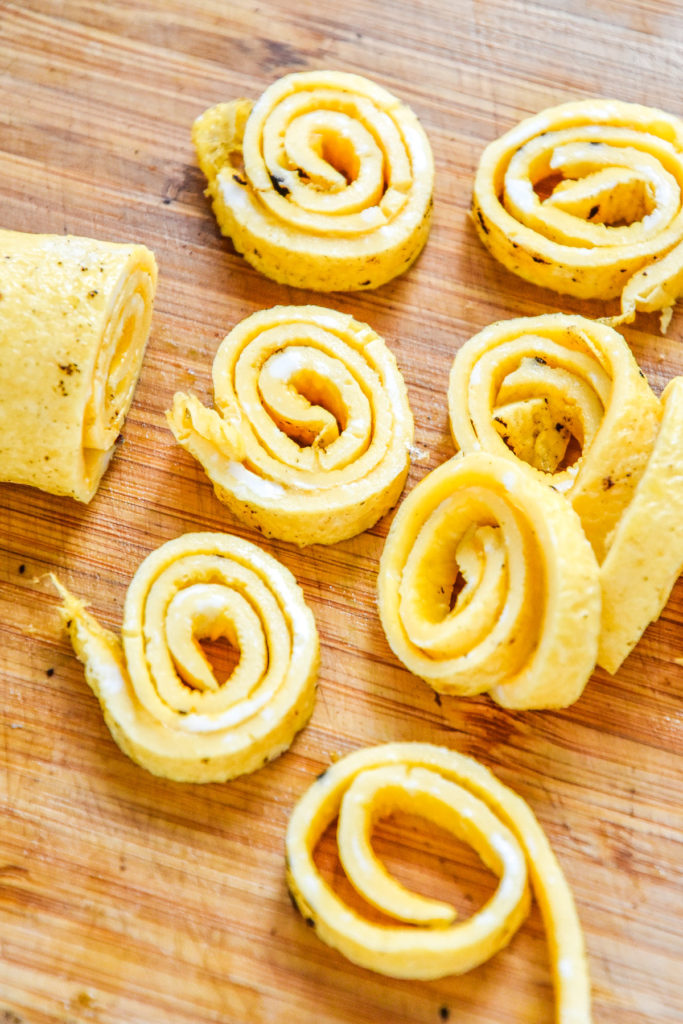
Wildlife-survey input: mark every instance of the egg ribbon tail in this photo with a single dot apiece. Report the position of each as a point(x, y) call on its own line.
point(568, 957)
point(217, 135)
point(655, 288)
point(98, 649)
point(201, 431)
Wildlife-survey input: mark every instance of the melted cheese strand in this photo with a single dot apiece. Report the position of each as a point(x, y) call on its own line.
point(312, 432)
point(462, 796)
point(158, 692)
point(74, 320)
point(325, 182)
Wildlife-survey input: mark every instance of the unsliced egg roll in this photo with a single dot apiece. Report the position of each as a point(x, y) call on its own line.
point(75, 315)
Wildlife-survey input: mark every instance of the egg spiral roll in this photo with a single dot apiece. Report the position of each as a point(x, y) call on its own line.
point(487, 583)
point(424, 941)
point(325, 182)
point(565, 395)
point(586, 198)
point(74, 320)
point(160, 696)
point(311, 436)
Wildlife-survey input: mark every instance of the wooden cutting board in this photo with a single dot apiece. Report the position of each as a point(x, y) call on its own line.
point(126, 898)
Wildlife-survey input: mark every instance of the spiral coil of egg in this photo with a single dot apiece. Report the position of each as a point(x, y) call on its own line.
point(160, 695)
point(311, 435)
point(487, 584)
point(325, 182)
point(423, 939)
point(586, 198)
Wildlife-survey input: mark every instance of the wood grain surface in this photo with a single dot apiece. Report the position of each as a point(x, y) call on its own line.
point(125, 898)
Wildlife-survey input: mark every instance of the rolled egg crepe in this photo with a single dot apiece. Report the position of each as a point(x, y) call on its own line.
point(74, 320)
point(487, 583)
point(418, 937)
point(565, 396)
point(325, 182)
point(310, 438)
point(586, 198)
point(161, 696)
